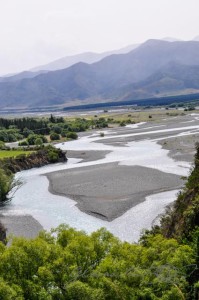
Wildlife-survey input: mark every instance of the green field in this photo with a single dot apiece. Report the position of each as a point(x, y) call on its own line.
point(12, 153)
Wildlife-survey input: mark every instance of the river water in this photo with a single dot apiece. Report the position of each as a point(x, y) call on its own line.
point(33, 197)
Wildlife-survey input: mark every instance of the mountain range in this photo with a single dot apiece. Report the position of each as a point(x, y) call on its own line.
point(155, 68)
point(65, 62)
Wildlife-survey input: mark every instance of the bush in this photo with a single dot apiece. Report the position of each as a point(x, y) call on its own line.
point(54, 136)
point(72, 135)
point(5, 185)
point(53, 156)
point(38, 141)
point(33, 137)
point(64, 133)
point(56, 129)
point(122, 123)
point(27, 132)
point(21, 157)
point(24, 143)
point(2, 146)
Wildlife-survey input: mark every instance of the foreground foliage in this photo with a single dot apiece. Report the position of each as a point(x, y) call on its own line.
point(73, 265)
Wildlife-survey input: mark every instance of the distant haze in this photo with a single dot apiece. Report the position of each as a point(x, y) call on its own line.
point(154, 69)
point(36, 32)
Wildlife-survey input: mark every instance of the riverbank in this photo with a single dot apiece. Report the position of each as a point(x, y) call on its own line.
point(36, 159)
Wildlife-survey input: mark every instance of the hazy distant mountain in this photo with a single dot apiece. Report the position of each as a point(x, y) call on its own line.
point(172, 79)
point(22, 75)
point(155, 68)
point(65, 62)
point(87, 57)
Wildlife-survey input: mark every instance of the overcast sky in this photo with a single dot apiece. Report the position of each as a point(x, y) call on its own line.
point(34, 32)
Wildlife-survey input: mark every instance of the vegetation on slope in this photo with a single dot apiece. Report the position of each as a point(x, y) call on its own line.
point(183, 218)
point(37, 158)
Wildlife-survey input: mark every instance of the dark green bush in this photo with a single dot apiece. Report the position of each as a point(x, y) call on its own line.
point(54, 136)
point(72, 135)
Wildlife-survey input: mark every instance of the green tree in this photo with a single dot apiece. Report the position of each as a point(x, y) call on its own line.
point(72, 135)
point(54, 136)
point(38, 141)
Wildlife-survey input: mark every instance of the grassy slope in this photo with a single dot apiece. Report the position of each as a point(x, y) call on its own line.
point(12, 153)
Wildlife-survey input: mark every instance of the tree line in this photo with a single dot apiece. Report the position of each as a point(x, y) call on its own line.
point(30, 129)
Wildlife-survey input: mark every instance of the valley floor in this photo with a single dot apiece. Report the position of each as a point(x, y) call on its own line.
point(114, 177)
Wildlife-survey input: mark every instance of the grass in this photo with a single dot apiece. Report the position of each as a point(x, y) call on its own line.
point(135, 116)
point(12, 153)
point(139, 116)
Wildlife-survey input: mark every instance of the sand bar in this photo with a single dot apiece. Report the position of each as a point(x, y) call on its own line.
point(108, 190)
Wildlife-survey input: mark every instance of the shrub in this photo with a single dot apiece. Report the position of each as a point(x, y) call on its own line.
point(24, 143)
point(64, 133)
point(21, 157)
point(2, 145)
point(72, 135)
point(53, 156)
point(38, 141)
point(102, 134)
point(54, 136)
point(56, 129)
point(122, 123)
point(5, 185)
point(33, 137)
